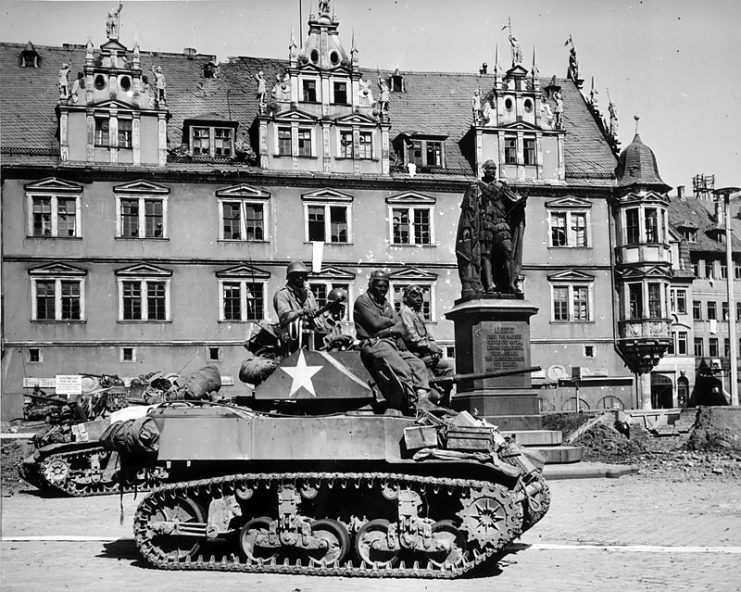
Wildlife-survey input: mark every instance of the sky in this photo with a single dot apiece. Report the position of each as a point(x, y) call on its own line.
point(674, 63)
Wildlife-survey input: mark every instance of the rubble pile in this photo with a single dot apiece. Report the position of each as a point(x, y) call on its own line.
point(716, 430)
point(13, 452)
point(604, 443)
point(693, 466)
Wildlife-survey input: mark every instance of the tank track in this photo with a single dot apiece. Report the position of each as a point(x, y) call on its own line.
point(489, 515)
point(80, 473)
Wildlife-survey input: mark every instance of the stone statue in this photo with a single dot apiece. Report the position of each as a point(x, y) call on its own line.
point(365, 94)
point(282, 88)
point(147, 100)
point(546, 115)
point(261, 90)
point(383, 101)
point(160, 84)
point(77, 85)
point(613, 119)
point(558, 111)
point(323, 6)
point(489, 239)
point(516, 50)
point(594, 97)
point(476, 107)
point(112, 22)
point(573, 72)
point(64, 81)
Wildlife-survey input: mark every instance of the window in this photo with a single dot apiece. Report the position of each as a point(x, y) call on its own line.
point(635, 301)
point(672, 349)
point(682, 343)
point(652, 225)
point(141, 216)
point(696, 268)
point(214, 354)
point(328, 223)
point(738, 311)
point(304, 142)
point(529, 151)
point(632, 227)
point(242, 220)
point(737, 271)
point(124, 133)
point(34, 355)
point(569, 229)
point(309, 88)
point(724, 311)
point(571, 303)
point(144, 300)
point(346, 144)
point(654, 300)
point(365, 148)
point(679, 301)
point(397, 296)
point(340, 93)
point(713, 347)
point(425, 153)
point(102, 135)
point(723, 270)
point(127, 354)
point(54, 216)
point(284, 141)
point(697, 310)
point(699, 347)
point(411, 226)
point(689, 234)
point(588, 351)
point(242, 300)
point(726, 347)
point(712, 311)
point(212, 141)
point(57, 299)
point(709, 269)
point(510, 150)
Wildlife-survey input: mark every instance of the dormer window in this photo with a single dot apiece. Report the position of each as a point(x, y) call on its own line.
point(309, 88)
point(425, 152)
point(212, 141)
point(29, 56)
point(397, 82)
point(689, 234)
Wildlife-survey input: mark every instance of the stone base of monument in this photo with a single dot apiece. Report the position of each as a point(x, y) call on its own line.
point(492, 335)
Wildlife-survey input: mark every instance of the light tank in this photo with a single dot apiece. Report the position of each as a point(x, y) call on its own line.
point(316, 477)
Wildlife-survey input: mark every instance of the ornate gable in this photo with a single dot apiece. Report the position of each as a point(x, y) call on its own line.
point(412, 274)
point(295, 115)
point(326, 194)
point(410, 197)
point(356, 119)
point(52, 184)
point(569, 202)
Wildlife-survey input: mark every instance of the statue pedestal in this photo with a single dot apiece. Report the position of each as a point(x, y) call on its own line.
point(493, 334)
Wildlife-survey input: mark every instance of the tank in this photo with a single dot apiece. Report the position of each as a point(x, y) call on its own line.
point(316, 477)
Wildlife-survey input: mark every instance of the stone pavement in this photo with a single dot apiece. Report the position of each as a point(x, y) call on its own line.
point(636, 533)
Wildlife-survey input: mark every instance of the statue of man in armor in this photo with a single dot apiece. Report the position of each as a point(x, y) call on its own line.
point(112, 22)
point(490, 231)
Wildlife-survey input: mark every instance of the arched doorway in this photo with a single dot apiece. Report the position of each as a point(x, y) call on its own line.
point(683, 391)
point(661, 391)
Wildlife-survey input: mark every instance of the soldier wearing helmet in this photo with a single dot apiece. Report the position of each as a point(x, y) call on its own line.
point(329, 322)
point(295, 304)
point(401, 376)
point(419, 341)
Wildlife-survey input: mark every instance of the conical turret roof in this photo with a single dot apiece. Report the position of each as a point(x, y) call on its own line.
point(637, 166)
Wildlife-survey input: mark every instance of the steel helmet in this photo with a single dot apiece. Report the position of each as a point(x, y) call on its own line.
point(296, 267)
point(337, 295)
point(379, 275)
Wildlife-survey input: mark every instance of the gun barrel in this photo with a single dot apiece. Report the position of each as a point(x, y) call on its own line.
point(47, 399)
point(481, 375)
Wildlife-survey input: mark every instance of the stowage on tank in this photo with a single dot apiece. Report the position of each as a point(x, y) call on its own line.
point(315, 478)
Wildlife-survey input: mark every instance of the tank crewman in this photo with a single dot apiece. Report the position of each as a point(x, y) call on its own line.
point(295, 305)
point(329, 322)
point(419, 341)
point(379, 330)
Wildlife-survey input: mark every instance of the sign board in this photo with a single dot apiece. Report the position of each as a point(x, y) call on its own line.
point(69, 384)
point(43, 383)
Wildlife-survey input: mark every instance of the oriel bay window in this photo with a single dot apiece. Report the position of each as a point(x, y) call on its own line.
point(644, 224)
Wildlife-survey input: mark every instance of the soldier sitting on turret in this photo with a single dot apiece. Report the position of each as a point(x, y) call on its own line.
point(401, 376)
point(295, 305)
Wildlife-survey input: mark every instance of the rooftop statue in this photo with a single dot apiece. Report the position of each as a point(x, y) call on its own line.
point(64, 81)
point(489, 240)
point(113, 22)
point(160, 84)
point(516, 50)
point(573, 72)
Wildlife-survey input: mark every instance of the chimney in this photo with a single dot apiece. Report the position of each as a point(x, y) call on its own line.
point(719, 211)
point(680, 192)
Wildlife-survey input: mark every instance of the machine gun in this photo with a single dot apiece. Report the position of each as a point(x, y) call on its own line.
point(456, 378)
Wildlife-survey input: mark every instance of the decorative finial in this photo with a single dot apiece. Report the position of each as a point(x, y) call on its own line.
point(636, 117)
point(496, 58)
point(535, 66)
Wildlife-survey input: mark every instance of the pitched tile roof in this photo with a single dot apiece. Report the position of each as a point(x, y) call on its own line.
point(701, 214)
point(433, 103)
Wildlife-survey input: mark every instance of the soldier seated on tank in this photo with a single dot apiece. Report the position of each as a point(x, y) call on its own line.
point(295, 306)
point(329, 323)
point(401, 376)
point(423, 345)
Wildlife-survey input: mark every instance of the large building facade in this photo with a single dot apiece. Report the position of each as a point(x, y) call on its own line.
point(151, 203)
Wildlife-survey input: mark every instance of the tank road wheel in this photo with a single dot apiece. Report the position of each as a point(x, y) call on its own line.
point(491, 517)
point(248, 540)
point(371, 544)
point(56, 471)
point(181, 510)
point(338, 542)
point(453, 541)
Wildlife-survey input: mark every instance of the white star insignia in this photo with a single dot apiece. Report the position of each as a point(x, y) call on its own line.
point(301, 375)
